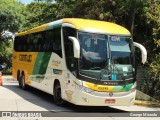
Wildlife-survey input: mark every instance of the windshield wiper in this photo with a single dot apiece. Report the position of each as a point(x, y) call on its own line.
point(99, 77)
point(103, 72)
point(123, 77)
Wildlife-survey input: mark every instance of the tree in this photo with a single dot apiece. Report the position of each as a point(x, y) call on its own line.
point(153, 18)
point(11, 17)
point(11, 20)
point(39, 13)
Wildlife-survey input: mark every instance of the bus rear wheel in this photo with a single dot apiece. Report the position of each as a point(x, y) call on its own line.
point(19, 83)
point(19, 79)
point(57, 95)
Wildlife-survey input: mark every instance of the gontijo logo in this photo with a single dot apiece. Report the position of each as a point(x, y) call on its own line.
point(27, 58)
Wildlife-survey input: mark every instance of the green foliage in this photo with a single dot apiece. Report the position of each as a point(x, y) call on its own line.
point(8, 71)
point(39, 13)
point(155, 68)
point(6, 56)
point(11, 19)
point(153, 21)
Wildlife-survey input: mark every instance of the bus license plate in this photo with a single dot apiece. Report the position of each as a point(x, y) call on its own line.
point(110, 101)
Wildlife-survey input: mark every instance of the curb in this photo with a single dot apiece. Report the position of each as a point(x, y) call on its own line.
point(147, 103)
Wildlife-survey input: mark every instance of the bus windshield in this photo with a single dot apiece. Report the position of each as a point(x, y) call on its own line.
point(93, 55)
point(120, 49)
point(104, 55)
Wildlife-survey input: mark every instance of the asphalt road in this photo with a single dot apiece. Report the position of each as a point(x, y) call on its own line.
point(32, 104)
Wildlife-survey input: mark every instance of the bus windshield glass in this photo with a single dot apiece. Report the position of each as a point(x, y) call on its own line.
point(103, 56)
point(93, 55)
point(120, 50)
point(122, 57)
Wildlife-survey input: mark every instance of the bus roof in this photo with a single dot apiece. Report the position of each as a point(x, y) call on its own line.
point(94, 26)
point(97, 26)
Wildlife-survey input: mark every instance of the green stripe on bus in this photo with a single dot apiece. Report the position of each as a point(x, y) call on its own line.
point(126, 87)
point(53, 26)
point(41, 63)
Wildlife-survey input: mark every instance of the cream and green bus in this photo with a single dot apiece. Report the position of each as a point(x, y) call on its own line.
point(84, 62)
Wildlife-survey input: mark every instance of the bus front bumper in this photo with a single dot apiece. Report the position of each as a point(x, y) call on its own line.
point(94, 98)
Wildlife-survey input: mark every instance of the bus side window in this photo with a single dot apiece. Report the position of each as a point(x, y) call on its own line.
point(52, 40)
point(57, 41)
point(20, 45)
point(16, 42)
point(68, 46)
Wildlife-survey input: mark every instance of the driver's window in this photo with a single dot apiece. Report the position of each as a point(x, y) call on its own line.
point(68, 46)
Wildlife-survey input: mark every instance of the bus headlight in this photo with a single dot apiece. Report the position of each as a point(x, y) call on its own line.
point(85, 89)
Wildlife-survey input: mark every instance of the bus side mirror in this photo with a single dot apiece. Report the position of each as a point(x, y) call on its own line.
point(143, 51)
point(76, 46)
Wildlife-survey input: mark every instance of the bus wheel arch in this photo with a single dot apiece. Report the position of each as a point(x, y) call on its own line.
point(57, 93)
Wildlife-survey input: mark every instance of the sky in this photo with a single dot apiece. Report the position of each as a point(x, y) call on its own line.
point(26, 1)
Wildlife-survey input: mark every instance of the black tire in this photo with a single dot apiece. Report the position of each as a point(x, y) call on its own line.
point(23, 85)
point(19, 79)
point(57, 95)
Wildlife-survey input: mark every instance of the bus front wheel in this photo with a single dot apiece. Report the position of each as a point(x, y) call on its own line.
point(57, 95)
point(22, 80)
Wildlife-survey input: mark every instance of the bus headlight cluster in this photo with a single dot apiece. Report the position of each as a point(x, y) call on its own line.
point(85, 89)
